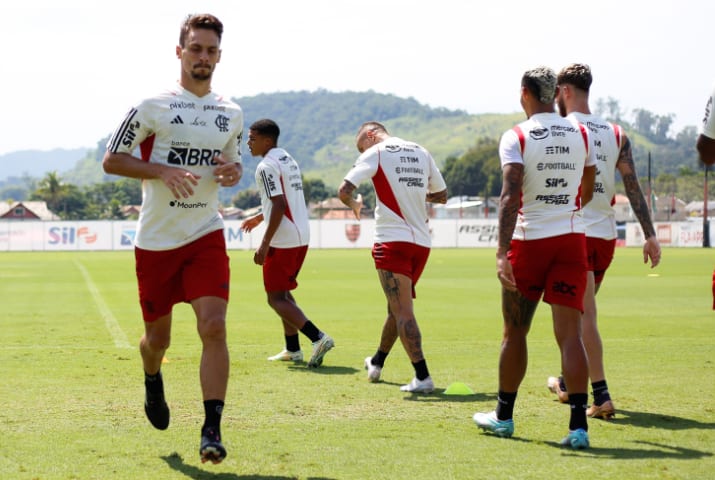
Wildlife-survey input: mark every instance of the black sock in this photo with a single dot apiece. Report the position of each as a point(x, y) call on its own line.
point(213, 410)
point(311, 331)
point(154, 383)
point(505, 405)
point(600, 392)
point(292, 343)
point(421, 371)
point(379, 358)
point(578, 403)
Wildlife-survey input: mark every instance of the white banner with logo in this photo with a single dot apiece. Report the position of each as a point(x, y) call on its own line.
point(23, 235)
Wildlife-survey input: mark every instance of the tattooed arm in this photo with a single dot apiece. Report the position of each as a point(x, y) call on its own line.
point(513, 176)
point(651, 248)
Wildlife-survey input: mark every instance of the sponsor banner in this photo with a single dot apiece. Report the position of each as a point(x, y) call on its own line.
point(477, 233)
point(29, 235)
point(237, 239)
point(90, 235)
point(21, 235)
point(690, 235)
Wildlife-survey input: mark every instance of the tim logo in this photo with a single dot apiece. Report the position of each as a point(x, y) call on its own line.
point(127, 237)
point(564, 288)
point(222, 122)
point(70, 236)
point(352, 232)
point(192, 157)
point(539, 133)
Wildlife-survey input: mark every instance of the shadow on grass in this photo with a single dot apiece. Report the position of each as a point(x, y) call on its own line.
point(658, 451)
point(656, 420)
point(323, 369)
point(177, 463)
point(439, 396)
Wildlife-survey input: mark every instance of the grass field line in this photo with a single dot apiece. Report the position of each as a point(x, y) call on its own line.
point(118, 336)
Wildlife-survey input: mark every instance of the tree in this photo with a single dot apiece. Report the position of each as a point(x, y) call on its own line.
point(474, 173)
point(314, 190)
point(246, 199)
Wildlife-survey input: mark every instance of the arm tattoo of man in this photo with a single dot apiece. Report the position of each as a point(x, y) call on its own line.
point(633, 189)
point(518, 311)
point(509, 204)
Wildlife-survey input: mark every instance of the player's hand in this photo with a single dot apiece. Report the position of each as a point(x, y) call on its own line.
point(505, 273)
point(260, 256)
point(227, 174)
point(356, 205)
point(651, 249)
point(179, 181)
point(251, 223)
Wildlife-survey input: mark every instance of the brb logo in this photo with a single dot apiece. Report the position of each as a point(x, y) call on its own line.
point(71, 235)
point(192, 156)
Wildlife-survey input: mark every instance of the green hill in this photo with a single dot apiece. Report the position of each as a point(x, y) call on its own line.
point(318, 128)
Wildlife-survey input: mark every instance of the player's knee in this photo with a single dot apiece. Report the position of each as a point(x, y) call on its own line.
point(212, 328)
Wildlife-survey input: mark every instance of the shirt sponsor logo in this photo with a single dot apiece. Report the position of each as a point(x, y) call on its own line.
point(562, 199)
point(217, 108)
point(412, 181)
point(416, 170)
point(393, 148)
point(539, 133)
point(555, 166)
point(181, 105)
point(556, 182)
point(182, 204)
point(192, 156)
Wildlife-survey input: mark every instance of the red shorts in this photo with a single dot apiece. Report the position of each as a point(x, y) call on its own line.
point(599, 253)
point(554, 266)
point(405, 258)
point(713, 289)
point(168, 277)
point(281, 268)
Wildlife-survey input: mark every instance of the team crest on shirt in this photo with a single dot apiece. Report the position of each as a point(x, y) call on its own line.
point(539, 133)
point(352, 231)
point(222, 122)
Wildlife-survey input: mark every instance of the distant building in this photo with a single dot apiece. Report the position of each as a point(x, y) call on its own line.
point(26, 211)
point(331, 208)
point(465, 207)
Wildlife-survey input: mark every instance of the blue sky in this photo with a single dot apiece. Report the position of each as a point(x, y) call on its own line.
point(71, 69)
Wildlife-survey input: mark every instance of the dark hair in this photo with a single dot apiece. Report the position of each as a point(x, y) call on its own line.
point(267, 128)
point(200, 20)
point(576, 74)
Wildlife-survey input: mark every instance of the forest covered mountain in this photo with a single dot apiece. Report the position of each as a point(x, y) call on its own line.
point(319, 127)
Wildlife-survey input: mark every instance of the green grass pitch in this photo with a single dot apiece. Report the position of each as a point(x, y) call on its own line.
point(71, 385)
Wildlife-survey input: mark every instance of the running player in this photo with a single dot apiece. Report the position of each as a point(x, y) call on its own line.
point(183, 144)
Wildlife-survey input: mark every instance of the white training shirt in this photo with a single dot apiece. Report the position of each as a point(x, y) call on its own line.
point(179, 129)
point(278, 173)
point(402, 173)
point(606, 140)
point(708, 126)
point(554, 151)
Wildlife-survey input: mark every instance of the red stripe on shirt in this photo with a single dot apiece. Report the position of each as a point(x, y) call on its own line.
point(384, 192)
